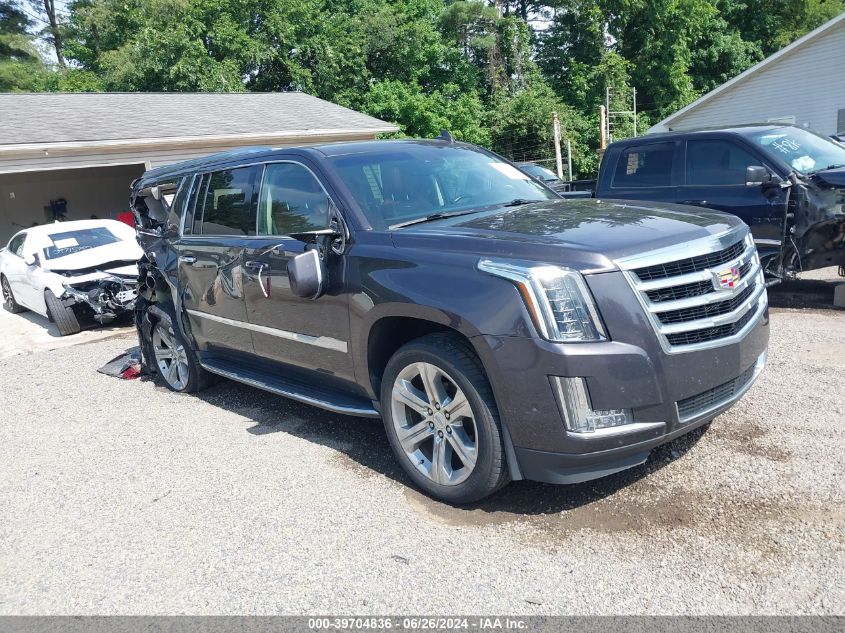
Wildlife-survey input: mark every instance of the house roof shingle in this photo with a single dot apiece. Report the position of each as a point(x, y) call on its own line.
point(30, 118)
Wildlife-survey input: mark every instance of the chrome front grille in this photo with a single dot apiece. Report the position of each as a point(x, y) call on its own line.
point(700, 294)
point(691, 264)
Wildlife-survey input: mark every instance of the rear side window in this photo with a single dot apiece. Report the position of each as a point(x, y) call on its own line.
point(176, 204)
point(16, 244)
point(291, 201)
point(645, 166)
point(717, 162)
point(228, 207)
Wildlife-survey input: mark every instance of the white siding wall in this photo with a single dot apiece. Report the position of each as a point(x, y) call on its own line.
point(808, 83)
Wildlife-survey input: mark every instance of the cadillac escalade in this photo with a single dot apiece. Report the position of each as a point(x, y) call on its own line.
point(499, 331)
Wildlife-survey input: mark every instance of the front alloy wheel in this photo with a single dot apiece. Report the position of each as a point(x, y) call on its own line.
point(170, 357)
point(434, 424)
point(441, 419)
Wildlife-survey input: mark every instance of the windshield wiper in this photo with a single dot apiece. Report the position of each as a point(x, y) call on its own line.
point(815, 171)
point(431, 217)
point(518, 202)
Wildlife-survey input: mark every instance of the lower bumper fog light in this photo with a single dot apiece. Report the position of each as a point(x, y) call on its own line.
point(573, 399)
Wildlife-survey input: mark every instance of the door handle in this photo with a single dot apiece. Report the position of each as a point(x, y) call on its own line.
point(187, 259)
point(259, 267)
point(695, 203)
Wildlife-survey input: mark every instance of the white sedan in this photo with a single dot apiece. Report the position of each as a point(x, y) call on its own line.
point(71, 269)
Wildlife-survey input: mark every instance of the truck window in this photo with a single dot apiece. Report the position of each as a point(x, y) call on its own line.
point(291, 201)
point(717, 162)
point(644, 166)
point(228, 207)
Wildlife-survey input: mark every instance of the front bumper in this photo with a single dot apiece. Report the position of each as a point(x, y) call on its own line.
point(632, 373)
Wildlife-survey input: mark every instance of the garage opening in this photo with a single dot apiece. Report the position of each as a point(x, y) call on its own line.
point(38, 197)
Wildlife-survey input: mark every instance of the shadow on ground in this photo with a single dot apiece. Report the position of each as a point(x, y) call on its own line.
point(86, 323)
point(804, 293)
point(363, 448)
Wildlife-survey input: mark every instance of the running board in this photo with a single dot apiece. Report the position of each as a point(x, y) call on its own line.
point(294, 389)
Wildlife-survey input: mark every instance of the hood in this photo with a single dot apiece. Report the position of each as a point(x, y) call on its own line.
point(584, 234)
point(125, 272)
point(831, 177)
point(124, 251)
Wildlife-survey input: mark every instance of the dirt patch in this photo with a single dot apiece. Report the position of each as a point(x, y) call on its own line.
point(747, 439)
point(640, 509)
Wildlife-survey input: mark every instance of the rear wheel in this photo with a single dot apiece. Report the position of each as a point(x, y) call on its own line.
point(441, 419)
point(9, 303)
point(63, 316)
point(173, 358)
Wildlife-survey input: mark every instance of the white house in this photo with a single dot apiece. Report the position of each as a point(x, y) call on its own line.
point(86, 149)
point(803, 83)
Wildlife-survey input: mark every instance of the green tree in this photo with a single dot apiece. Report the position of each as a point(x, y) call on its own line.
point(521, 127)
point(21, 68)
point(427, 114)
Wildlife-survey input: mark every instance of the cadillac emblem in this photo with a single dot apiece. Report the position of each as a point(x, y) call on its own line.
point(725, 279)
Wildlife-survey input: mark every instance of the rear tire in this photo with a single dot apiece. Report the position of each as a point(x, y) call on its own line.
point(441, 419)
point(9, 303)
point(63, 316)
point(172, 357)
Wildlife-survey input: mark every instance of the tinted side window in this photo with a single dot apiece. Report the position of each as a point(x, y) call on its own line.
point(228, 205)
point(291, 201)
point(645, 166)
point(716, 162)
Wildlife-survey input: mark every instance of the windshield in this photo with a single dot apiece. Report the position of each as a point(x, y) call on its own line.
point(801, 149)
point(69, 242)
point(407, 182)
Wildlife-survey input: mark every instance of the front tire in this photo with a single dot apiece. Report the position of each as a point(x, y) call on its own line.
point(63, 316)
point(172, 357)
point(9, 303)
point(441, 419)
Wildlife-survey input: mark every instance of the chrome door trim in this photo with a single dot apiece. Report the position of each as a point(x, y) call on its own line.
point(326, 342)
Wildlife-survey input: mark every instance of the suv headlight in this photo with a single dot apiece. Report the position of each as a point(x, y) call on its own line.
point(557, 298)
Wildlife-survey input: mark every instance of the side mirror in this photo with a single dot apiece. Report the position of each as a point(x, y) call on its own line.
point(307, 275)
point(30, 259)
point(757, 175)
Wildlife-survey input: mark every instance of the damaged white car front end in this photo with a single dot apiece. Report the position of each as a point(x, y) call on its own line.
point(72, 270)
point(108, 293)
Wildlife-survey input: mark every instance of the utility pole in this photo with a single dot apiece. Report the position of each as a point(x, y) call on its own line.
point(569, 159)
point(635, 111)
point(558, 159)
point(602, 128)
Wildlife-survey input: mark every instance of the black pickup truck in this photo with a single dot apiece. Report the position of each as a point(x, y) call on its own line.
point(785, 182)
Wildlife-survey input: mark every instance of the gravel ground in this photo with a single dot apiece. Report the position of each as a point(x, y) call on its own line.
point(121, 497)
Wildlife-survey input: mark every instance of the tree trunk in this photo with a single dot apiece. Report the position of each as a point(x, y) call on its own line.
point(55, 35)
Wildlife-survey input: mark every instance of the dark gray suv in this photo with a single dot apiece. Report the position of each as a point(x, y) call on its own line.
point(500, 332)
